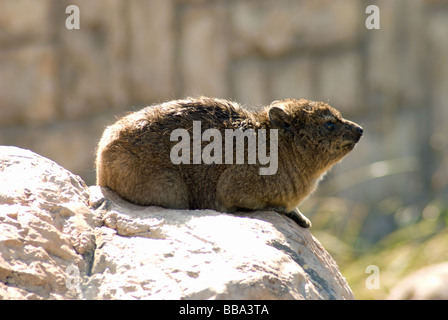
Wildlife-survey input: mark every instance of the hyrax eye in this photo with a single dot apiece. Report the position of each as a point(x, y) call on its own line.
point(329, 125)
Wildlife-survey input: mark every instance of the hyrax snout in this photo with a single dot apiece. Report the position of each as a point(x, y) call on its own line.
point(205, 153)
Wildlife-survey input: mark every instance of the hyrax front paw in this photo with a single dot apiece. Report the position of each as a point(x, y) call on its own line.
point(295, 215)
point(299, 218)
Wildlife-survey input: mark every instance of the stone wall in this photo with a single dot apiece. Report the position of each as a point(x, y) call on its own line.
point(60, 87)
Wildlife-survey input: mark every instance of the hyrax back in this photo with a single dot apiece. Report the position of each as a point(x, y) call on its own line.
point(135, 155)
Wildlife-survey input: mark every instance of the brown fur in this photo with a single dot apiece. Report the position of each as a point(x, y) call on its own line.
point(133, 156)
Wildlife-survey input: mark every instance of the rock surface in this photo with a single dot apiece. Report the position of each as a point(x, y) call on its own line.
point(428, 283)
point(60, 239)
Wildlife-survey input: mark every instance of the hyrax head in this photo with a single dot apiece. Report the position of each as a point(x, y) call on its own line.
point(314, 128)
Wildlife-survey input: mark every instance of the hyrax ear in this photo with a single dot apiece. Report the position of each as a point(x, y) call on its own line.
point(279, 118)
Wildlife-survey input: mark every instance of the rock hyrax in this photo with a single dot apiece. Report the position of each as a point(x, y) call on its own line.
point(135, 155)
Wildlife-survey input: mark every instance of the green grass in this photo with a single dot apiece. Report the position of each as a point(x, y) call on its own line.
point(418, 242)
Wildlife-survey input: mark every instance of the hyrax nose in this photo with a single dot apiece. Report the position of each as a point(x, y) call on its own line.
point(355, 129)
point(358, 132)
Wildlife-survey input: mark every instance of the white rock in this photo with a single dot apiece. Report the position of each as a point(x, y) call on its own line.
point(43, 222)
point(53, 245)
point(427, 283)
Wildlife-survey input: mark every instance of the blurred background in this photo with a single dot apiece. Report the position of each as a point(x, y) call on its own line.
point(385, 204)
